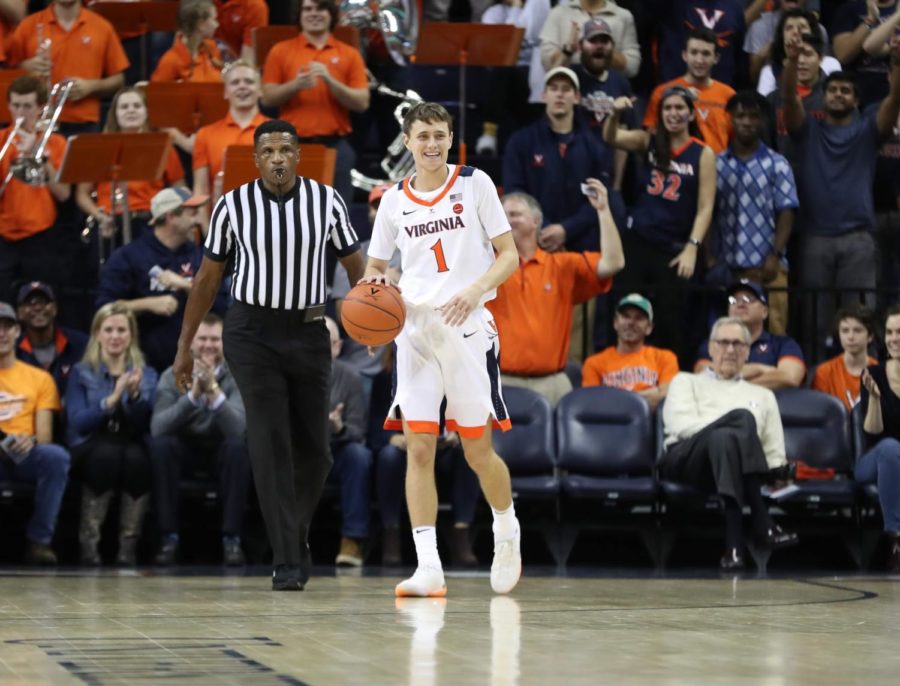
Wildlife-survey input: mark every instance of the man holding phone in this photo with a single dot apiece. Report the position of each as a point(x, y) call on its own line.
point(28, 399)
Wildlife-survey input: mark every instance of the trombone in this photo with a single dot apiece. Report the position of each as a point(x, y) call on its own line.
point(31, 168)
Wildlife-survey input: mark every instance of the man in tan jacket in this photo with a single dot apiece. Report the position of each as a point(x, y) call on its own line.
point(724, 435)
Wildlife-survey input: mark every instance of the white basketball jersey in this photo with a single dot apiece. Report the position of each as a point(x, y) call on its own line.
point(444, 236)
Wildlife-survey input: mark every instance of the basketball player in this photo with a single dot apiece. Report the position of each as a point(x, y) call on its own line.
point(448, 223)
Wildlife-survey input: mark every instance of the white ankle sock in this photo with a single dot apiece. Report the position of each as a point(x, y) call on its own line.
point(426, 546)
point(504, 523)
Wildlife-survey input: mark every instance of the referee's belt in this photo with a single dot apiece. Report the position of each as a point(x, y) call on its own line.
point(311, 314)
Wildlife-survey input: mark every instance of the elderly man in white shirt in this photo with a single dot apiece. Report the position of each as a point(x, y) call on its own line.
point(724, 435)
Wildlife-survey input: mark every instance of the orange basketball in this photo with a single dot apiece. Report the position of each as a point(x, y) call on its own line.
point(373, 314)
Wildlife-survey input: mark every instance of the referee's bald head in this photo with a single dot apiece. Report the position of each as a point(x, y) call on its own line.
point(275, 126)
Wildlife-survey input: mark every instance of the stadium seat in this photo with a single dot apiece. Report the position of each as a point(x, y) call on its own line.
point(605, 453)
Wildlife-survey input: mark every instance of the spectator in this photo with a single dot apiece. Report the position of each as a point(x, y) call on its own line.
point(201, 430)
point(551, 159)
point(774, 361)
point(533, 308)
point(810, 77)
point(316, 81)
point(29, 399)
point(793, 23)
point(108, 405)
point(880, 400)
point(194, 57)
point(762, 34)
point(701, 54)
point(43, 343)
point(674, 211)
point(127, 114)
point(390, 469)
point(677, 18)
point(724, 435)
point(600, 86)
point(755, 201)
point(352, 466)
point(33, 241)
point(153, 275)
point(562, 34)
point(840, 376)
point(630, 364)
point(835, 170)
point(237, 19)
point(242, 91)
point(67, 41)
point(853, 22)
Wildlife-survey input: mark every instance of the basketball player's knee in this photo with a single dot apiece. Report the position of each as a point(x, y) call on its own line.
point(479, 457)
point(419, 456)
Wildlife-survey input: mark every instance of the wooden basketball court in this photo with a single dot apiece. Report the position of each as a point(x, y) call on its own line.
point(141, 627)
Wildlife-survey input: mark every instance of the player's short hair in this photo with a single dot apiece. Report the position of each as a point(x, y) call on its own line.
point(705, 35)
point(428, 112)
point(274, 126)
point(26, 84)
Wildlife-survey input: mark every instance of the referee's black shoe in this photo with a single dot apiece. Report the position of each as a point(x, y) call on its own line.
point(286, 578)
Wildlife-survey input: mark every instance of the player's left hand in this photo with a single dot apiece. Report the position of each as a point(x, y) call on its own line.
point(460, 306)
point(685, 262)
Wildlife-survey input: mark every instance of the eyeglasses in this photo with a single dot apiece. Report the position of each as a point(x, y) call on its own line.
point(742, 299)
point(728, 343)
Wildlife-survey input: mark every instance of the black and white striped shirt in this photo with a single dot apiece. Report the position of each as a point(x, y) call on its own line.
point(279, 243)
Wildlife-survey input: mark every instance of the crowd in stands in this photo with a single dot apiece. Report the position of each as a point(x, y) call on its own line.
point(662, 163)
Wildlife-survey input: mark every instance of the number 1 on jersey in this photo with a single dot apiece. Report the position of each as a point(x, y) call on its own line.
point(438, 251)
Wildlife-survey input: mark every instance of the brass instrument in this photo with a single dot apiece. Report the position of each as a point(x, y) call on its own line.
point(397, 162)
point(31, 167)
point(396, 20)
point(398, 23)
point(17, 126)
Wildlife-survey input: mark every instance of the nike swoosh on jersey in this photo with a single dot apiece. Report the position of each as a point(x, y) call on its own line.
point(406, 212)
point(466, 335)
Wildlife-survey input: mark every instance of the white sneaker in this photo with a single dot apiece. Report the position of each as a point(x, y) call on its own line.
point(427, 582)
point(486, 145)
point(507, 565)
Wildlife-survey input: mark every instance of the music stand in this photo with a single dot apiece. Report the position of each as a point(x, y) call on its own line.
point(144, 16)
point(115, 157)
point(7, 76)
point(264, 37)
point(185, 106)
point(317, 162)
point(463, 45)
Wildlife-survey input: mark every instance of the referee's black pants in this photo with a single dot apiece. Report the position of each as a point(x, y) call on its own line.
point(282, 366)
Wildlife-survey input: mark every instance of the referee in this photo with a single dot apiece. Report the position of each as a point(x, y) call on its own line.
point(277, 228)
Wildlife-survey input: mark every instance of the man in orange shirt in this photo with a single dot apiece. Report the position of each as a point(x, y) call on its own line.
point(237, 19)
point(78, 45)
point(316, 81)
point(32, 241)
point(242, 91)
point(533, 308)
point(701, 53)
point(630, 364)
point(28, 399)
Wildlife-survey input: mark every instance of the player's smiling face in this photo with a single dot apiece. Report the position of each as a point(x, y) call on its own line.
point(429, 143)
